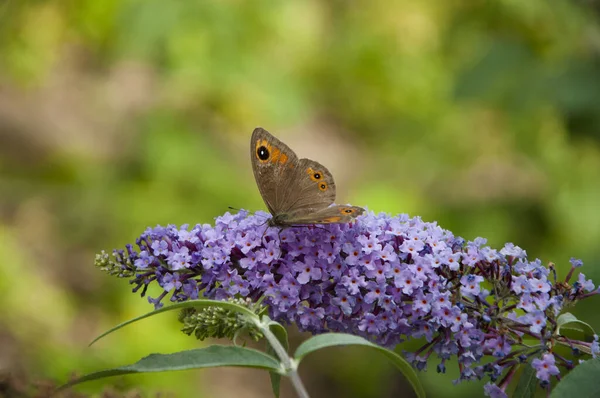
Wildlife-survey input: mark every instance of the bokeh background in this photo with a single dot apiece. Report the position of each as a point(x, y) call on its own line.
point(116, 115)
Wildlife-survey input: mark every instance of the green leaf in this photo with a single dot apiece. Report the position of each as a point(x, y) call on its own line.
point(212, 356)
point(200, 303)
point(527, 383)
point(571, 327)
point(580, 382)
point(342, 339)
point(279, 331)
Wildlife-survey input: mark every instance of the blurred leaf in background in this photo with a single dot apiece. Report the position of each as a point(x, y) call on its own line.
point(117, 115)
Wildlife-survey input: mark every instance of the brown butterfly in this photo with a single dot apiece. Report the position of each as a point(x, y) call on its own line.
point(296, 191)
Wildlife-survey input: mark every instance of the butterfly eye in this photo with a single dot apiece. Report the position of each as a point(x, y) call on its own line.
point(262, 153)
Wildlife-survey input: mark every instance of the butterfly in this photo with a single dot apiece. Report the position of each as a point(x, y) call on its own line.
point(296, 191)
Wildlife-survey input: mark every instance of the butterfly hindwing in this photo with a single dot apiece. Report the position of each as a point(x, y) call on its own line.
point(310, 188)
point(329, 215)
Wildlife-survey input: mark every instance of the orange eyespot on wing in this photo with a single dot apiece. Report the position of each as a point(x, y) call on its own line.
point(347, 210)
point(315, 175)
point(323, 186)
point(263, 151)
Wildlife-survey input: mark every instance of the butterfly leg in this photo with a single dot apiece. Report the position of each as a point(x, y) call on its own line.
point(265, 231)
point(279, 234)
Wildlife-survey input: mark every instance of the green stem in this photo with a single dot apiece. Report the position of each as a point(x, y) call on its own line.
point(290, 365)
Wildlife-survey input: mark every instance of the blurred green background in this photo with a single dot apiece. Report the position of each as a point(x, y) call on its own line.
point(118, 115)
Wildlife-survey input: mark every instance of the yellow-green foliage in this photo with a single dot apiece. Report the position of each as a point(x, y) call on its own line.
point(117, 115)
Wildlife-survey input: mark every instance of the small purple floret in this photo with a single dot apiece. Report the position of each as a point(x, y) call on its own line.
point(545, 367)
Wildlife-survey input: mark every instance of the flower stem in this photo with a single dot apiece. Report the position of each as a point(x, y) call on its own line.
point(297, 383)
point(290, 365)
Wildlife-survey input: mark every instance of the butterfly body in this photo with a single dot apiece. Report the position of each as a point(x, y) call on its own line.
point(296, 191)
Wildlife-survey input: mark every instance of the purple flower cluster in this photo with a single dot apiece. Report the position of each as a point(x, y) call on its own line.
point(384, 278)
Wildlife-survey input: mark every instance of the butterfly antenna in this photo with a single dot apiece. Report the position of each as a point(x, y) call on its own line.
point(249, 212)
point(238, 210)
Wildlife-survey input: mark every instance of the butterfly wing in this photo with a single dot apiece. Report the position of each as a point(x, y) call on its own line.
point(310, 187)
point(287, 184)
point(329, 215)
point(272, 163)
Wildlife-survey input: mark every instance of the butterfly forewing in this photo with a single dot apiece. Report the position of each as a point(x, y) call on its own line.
point(273, 163)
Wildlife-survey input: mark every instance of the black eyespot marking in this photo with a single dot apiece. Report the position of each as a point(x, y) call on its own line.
point(323, 186)
point(317, 176)
point(262, 153)
point(348, 211)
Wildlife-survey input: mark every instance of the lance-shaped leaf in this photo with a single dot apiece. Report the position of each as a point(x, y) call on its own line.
point(341, 339)
point(571, 327)
point(527, 383)
point(213, 356)
point(580, 382)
